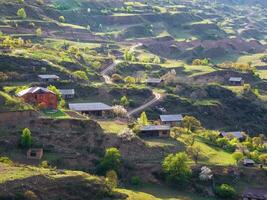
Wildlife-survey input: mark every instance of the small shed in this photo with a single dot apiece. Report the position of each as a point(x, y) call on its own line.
point(97, 109)
point(248, 162)
point(253, 193)
point(154, 81)
point(171, 120)
point(35, 154)
point(48, 78)
point(67, 93)
point(234, 134)
point(155, 131)
point(236, 81)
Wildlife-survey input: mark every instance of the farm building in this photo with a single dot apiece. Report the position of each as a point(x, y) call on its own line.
point(155, 131)
point(171, 120)
point(48, 78)
point(235, 134)
point(255, 194)
point(67, 93)
point(39, 96)
point(236, 81)
point(97, 109)
point(248, 162)
point(35, 154)
point(154, 81)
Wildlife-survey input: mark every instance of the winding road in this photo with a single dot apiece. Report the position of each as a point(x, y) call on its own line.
point(105, 75)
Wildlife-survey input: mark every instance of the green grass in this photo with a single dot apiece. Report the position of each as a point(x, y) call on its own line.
point(161, 142)
point(198, 69)
point(162, 192)
point(59, 114)
point(110, 126)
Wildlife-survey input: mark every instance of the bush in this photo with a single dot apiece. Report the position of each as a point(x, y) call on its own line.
point(135, 180)
point(30, 195)
point(177, 168)
point(21, 13)
point(26, 138)
point(112, 179)
point(6, 160)
point(110, 161)
point(61, 19)
point(225, 191)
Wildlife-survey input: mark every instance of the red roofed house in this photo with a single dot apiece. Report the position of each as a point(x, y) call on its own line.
point(39, 95)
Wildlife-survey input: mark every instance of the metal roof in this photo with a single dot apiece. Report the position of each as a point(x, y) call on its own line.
point(89, 106)
point(171, 118)
point(154, 80)
point(34, 90)
point(67, 91)
point(155, 128)
point(236, 134)
point(235, 79)
point(48, 76)
point(248, 161)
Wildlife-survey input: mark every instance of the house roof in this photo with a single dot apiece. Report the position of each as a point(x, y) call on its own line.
point(248, 161)
point(155, 128)
point(235, 79)
point(171, 118)
point(89, 106)
point(67, 91)
point(34, 90)
point(256, 193)
point(48, 76)
point(236, 134)
point(154, 80)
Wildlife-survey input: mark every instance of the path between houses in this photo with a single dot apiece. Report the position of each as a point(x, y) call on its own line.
point(106, 71)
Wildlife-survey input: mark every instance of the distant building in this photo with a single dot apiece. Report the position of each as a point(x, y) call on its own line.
point(154, 81)
point(48, 78)
point(67, 93)
point(155, 131)
point(235, 134)
point(97, 109)
point(35, 154)
point(39, 96)
point(248, 162)
point(171, 120)
point(236, 81)
point(252, 193)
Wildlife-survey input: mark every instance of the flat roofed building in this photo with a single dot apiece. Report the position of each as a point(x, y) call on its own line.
point(67, 93)
point(98, 109)
point(248, 162)
point(155, 131)
point(172, 120)
point(48, 77)
point(253, 193)
point(35, 154)
point(234, 134)
point(236, 81)
point(154, 81)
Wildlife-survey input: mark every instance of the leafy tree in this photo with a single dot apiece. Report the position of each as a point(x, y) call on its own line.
point(142, 120)
point(21, 13)
point(193, 152)
point(191, 123)
point(30, 195)
point(81, 74)
point(112, 179)
point(129, 80)
point(110, 161)
point(116, 78)
point(26, 138)
point(21, 1)
point(225, 191)
point(263, 158)
point(55, 90)
point(61, 19)
point(237, 156)
point(38, 31)
point(177, 168)
point(124, 101)
point(189, 140)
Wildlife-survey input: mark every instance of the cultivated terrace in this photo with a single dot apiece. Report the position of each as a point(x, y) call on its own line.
point(133, 100)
